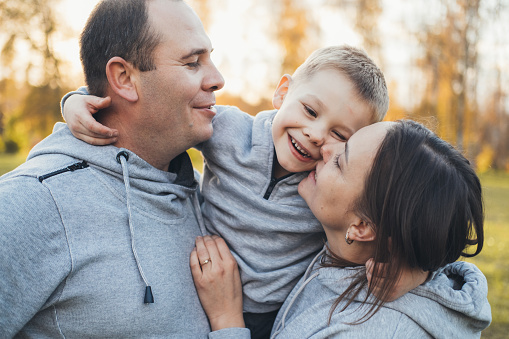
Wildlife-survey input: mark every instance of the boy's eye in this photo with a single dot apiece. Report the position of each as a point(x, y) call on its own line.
point(340, 136)
point(310, 111)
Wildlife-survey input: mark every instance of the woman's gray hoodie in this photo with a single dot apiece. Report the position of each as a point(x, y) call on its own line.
point(453, 304)
point(80, 241)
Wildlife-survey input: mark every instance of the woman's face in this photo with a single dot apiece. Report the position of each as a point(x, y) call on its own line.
point(338, 180)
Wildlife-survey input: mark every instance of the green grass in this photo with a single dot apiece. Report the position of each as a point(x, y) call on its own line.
point(492, 261)
point(9, 162)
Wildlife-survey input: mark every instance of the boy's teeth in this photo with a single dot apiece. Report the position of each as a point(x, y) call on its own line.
point(304, 153)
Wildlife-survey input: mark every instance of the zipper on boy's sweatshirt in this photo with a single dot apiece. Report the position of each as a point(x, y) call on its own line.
point(269, 190)
point(70, 168)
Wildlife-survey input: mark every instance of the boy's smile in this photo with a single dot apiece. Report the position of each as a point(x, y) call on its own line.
point(322, 109)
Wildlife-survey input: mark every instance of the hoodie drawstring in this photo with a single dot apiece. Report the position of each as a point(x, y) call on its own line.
point(122, 158)
point(281, 324)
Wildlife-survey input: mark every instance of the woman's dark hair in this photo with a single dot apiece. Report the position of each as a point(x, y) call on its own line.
point(116, 28)
point(425, 203)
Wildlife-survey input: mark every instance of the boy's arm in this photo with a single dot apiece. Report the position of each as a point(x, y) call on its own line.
point(409, 279)
point(78, 110)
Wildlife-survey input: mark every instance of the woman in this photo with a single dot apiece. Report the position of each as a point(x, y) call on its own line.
point(395, 193)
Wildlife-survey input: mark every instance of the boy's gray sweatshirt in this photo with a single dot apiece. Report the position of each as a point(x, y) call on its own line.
point(267, 225)
point(79, 242)
point(453, 304)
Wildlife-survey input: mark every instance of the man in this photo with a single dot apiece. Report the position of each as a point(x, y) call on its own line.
point(122, 270)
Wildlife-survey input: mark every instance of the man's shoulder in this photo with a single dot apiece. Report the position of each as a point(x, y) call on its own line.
point(230, 114)
point(232, 117)
point(24, 201)
point(40, 166)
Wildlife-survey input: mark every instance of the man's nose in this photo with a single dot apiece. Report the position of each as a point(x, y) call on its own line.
point(214, 81)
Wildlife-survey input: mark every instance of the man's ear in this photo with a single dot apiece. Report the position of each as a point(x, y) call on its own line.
point(360, 230)
point(281, 91)
point(120, 77)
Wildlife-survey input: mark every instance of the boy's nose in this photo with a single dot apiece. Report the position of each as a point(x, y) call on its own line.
point(315, 136)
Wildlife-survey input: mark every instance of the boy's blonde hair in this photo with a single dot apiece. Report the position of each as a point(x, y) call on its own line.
point(354, 63)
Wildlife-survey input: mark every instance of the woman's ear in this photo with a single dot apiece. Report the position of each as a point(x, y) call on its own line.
point(281, 91)
point(120, 77)
point(360, 230)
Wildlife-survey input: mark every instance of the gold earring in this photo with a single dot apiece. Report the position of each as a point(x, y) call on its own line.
point(347, 239)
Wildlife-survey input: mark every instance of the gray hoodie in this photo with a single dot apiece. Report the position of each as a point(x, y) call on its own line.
point(80, 241)
point(269, 227)
point(453, 304)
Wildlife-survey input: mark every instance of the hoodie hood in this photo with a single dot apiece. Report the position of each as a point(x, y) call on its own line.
point(453, 303)
point(146, 181)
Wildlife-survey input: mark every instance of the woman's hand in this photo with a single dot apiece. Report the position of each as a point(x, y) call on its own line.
point(78, 111)
point(217, 280)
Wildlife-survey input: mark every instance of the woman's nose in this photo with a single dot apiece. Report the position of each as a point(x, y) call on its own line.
point(326, 151)
point(329, 149)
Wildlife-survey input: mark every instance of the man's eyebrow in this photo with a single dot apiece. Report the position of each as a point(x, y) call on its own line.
point(196, 51)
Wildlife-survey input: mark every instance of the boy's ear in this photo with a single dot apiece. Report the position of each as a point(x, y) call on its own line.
point(120, 77)
point(281, 91)
point(360, 230)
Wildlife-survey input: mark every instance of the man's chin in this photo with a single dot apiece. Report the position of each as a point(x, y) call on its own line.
point(206, 134)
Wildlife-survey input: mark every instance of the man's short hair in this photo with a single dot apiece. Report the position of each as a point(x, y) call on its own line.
point(116, 28)
point(353, 62)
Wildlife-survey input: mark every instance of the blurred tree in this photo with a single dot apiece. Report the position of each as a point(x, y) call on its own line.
point(295, 30)
point(33, 23)
point(32, 106)
point(366, 14)
point(494, 129)
point(396, 111)
point(450, 63)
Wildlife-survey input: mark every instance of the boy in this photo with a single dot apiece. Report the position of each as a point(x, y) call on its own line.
point(253, 166)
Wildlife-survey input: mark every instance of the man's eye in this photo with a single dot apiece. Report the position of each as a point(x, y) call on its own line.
point(310, 111)
point(193, 64)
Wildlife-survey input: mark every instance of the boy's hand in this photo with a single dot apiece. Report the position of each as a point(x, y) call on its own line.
point(408, 280)
point(77, 112)
point(217, 280)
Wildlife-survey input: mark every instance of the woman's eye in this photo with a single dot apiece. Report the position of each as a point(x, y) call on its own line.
point(336, 161)
point(310, 111)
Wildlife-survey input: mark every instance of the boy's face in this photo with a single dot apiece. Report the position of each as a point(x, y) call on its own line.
point(323, 109)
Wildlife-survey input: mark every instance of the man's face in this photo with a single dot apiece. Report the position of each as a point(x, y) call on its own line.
point(179, 93)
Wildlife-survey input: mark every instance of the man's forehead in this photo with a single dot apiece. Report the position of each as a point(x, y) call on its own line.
point(177, 24)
